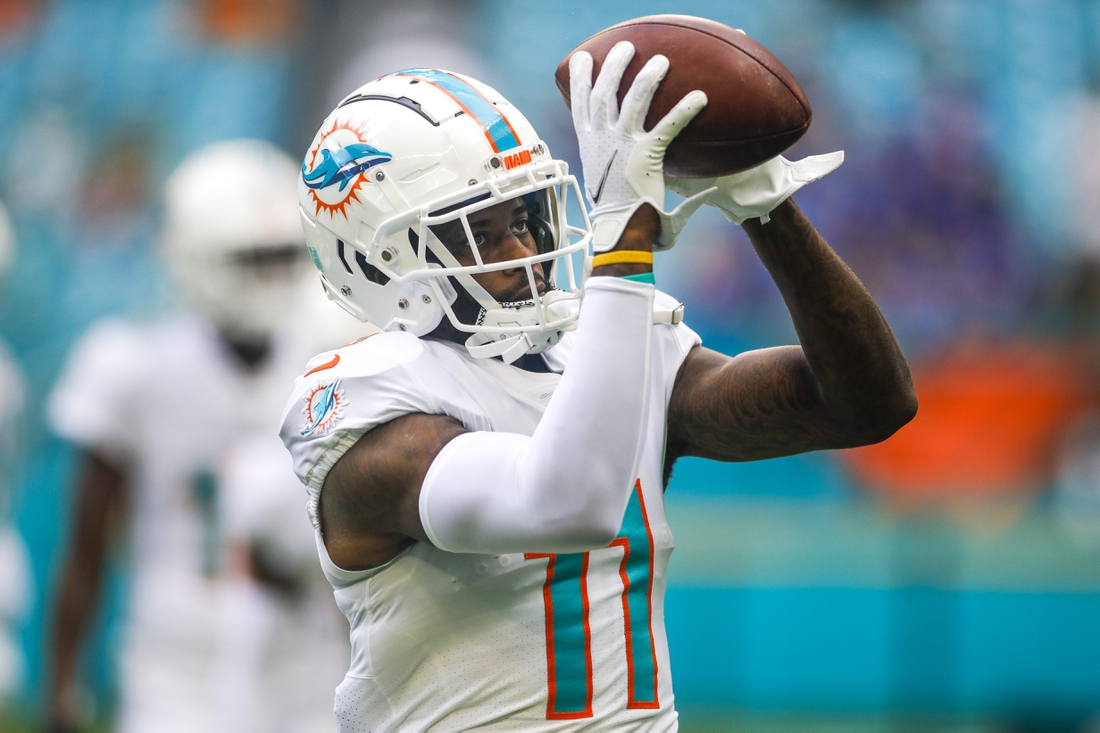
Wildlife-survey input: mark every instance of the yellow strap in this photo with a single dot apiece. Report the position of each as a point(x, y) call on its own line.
point(622, 257)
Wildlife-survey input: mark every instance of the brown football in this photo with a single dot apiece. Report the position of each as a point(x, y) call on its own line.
point(755, 109)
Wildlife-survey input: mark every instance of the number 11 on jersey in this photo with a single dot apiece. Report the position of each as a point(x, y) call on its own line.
point(569, 637)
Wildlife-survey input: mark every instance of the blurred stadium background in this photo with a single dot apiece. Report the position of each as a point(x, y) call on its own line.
point(948, 579)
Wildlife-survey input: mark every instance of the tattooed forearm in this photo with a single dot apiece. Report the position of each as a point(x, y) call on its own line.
point(851, 351)
point(847, 384)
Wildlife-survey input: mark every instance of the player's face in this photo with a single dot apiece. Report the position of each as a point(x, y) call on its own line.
point(501, 233)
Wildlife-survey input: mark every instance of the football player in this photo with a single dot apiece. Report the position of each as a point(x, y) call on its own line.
point(158, 410)
point(486, 476)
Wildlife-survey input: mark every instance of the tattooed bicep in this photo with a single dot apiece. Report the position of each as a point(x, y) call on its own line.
point(759, 404)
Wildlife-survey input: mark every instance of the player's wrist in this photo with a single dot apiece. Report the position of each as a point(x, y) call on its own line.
point(631, 263)
point(641, 230)
point(782, 212)
point(632, 255)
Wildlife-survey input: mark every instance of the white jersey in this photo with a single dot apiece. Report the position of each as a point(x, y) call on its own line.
point(168, 401)
point(450, 642)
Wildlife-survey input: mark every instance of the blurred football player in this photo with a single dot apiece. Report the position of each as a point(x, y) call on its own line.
point(15, 574)
point(494, 527)
point(157, 410)
point(286, 646)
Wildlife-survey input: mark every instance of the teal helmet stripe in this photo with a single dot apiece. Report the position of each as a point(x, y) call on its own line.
point(498, 131)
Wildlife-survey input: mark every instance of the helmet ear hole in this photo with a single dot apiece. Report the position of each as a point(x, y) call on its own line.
point(371, 272)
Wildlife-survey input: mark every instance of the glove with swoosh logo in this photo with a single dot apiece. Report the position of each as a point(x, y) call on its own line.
point(623, 164)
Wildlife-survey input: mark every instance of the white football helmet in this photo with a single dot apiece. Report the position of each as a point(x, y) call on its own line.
point(232, 237)
point(417, 149)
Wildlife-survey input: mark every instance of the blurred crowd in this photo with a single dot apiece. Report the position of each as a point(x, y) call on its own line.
point(967, 204)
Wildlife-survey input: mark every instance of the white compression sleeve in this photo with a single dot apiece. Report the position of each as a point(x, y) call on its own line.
point(565, 488)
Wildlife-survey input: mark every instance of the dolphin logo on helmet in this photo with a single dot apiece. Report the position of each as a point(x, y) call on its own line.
point(342, 165)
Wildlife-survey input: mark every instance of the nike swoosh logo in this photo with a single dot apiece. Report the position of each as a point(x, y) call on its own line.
point(603, 180)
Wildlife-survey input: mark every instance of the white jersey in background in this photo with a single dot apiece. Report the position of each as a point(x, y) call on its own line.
point(452, 642)
point(286, 648)
point(168, 402)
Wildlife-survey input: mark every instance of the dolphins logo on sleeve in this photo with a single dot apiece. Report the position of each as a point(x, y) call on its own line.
point(323, 407)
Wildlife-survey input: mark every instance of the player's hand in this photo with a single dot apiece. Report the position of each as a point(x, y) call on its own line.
point(756, 192)
point(623, 164)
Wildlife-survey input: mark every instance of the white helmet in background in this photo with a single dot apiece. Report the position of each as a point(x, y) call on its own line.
point(420, 148)
point(232, 236)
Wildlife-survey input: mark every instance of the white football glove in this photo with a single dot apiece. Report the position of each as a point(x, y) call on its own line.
point(756, 192)
point(623, 164)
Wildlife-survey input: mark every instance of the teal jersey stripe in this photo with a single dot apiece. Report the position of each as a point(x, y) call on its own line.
point(572, 675)
point(643, 681)
point(499, 133)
